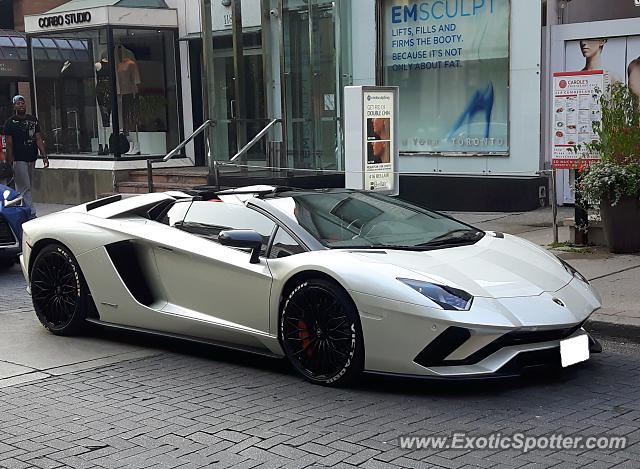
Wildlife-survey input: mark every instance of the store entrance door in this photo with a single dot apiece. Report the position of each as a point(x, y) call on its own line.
point(228, 120)
point(311, 84)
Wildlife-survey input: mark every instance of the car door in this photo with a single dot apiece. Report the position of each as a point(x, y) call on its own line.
point(214, 283)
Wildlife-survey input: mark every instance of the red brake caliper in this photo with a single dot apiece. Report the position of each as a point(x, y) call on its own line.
point(304, 334)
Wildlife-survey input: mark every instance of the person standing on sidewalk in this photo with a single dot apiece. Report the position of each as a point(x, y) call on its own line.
point(23, 140)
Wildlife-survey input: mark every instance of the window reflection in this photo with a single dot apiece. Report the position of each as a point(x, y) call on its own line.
point(80, 111)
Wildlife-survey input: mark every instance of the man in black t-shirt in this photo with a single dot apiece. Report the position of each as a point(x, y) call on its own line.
point(23, 139)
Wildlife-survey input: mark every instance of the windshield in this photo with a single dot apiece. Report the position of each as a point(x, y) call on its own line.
point(348, 219)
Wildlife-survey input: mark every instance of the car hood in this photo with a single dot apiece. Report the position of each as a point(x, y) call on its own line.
point(493, 267)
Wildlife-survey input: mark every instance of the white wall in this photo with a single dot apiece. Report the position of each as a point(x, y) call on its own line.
point(524, 94)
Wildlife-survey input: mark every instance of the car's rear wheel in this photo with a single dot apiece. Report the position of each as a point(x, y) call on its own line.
point(321, 333)
point(58, 290)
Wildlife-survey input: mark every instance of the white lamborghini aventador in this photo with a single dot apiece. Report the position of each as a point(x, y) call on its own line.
point(338, 281)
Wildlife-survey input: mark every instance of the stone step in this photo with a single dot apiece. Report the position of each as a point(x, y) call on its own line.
point(131, 187)
point(190, 176)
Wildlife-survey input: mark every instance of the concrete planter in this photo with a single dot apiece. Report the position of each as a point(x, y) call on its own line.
point(622, 224)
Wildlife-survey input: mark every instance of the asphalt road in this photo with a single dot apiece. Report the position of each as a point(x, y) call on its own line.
point(124, 400)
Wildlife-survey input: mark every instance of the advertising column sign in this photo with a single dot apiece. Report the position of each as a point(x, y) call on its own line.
point(575, 107)
point(450, 59)
point(378, 115)
point(371, 153)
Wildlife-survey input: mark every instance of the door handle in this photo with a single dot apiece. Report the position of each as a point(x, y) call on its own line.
point(232, 108)
point(165, 248)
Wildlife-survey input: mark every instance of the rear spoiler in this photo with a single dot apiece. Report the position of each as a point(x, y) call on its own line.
point(102, 202)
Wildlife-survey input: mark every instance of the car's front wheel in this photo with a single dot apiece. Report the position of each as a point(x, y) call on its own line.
point(321, 333)
point(58, 290)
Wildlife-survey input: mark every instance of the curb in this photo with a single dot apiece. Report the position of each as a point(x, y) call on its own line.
point(630, 332)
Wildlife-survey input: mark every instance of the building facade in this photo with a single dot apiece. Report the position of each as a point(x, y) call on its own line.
point(584, 35)
point(468, 74)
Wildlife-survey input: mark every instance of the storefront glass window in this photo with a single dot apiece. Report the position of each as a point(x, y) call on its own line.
point(65, 86)
point(228, 121)
point(14, 71)
point(450, 60)
point(80, 112)
point(146, 89)
point(313, 82)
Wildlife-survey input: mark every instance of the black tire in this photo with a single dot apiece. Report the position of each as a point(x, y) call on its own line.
point(321, 334)
point(59, 291)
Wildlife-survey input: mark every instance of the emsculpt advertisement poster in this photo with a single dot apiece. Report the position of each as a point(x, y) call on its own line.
point(378, 141)
point(450, 59)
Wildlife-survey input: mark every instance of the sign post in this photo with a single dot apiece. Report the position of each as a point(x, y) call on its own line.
point(371, 127)
point(575, 108)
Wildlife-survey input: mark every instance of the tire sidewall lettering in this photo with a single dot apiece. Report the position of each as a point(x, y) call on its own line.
point(352, 349)
point(73, 267)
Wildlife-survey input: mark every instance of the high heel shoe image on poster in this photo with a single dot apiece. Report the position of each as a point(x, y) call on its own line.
point(480, 102)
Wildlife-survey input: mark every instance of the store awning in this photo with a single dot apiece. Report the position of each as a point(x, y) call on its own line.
point(83, 14)
point(86, 4)
point(14, 59)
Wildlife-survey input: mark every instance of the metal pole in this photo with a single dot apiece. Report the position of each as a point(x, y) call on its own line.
point(284, 151)
point(581, 215)
point(150, 175)
point(312, 88)
point(554, 205)
point(207, 72)
point(238, 72)
point(216, 177)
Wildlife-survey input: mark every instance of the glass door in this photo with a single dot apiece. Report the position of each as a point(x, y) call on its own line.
point(311, 84)
point(229, 121)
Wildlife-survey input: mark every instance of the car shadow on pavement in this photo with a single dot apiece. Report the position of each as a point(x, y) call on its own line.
point(195, 349)
point(478, 387)
point(580, 374)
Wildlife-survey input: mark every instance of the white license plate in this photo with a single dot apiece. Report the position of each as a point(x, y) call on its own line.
point(574, 350)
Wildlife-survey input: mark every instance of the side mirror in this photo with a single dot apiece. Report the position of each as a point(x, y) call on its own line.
point(242, 239)
point(17, 202)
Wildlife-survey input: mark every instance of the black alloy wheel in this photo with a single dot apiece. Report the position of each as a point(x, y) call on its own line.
point(321, 333)
point(58, 290)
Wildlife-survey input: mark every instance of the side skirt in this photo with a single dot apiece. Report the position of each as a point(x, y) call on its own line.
point(226, 345)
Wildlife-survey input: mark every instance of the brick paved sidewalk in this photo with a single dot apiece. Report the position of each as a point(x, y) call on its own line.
point(214, 408)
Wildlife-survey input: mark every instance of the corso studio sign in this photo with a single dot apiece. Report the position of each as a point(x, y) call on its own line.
point(65, 20)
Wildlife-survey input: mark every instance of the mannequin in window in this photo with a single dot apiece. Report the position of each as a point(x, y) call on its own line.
point(103, 97)
point(128, 80)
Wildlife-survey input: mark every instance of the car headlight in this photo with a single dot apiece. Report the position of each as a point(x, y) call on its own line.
point(573, 271)
point(447, 297)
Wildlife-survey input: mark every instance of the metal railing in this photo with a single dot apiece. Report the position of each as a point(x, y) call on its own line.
point(242, 151)
point(254, 140)
point(216, 164)
point(176, 150)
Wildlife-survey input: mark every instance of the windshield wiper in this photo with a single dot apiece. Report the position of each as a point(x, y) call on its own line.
point(450, 238)
point(384, 246)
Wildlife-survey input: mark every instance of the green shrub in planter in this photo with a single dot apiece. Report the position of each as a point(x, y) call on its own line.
point(614, 181)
